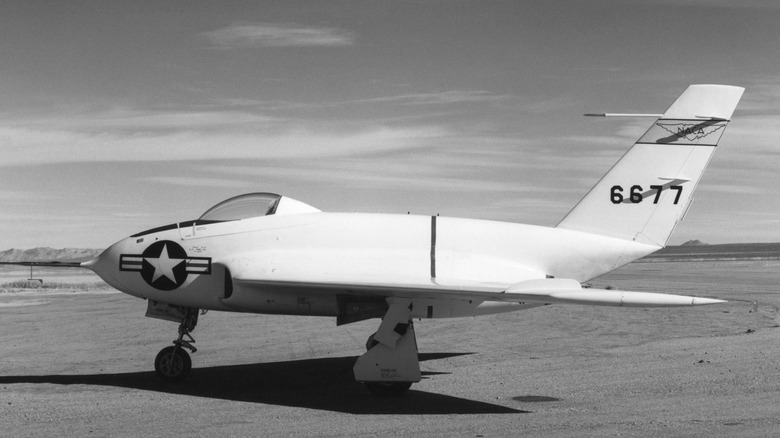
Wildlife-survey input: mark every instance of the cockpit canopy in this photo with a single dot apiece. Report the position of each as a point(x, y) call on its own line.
point(254, 205)
point(243, 207)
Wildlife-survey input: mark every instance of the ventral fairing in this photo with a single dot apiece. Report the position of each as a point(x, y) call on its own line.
point(270, 254)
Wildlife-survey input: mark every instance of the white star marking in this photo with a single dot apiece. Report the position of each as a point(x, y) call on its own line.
point(163, 265)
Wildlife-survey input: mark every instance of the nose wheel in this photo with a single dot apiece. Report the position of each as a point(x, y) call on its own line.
point(174, 363)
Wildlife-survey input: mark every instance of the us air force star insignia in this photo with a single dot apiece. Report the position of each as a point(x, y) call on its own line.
point(165, 265)
point(691, 131)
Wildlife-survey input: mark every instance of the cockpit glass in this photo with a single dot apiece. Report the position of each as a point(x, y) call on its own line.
point(242, 207)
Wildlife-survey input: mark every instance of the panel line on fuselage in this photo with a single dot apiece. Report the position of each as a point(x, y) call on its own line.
point(433, 246)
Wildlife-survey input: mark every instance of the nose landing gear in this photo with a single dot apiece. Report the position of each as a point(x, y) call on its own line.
point(174, 363)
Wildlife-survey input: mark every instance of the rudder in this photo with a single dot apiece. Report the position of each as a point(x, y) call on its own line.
point(647, 192)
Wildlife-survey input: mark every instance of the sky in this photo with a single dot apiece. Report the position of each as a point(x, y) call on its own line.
point(116, 117)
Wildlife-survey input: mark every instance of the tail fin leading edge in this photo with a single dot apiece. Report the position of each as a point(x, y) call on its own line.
point(650, 188)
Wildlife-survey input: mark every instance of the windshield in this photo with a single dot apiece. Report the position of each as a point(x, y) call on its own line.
point(242, 207)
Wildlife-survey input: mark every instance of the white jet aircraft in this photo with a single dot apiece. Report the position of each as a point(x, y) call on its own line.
point(265, 253)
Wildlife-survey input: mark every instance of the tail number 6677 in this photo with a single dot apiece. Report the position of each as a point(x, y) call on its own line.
point(636, 194)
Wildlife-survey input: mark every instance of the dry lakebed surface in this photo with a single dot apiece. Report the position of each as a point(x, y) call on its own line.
point(78, 362)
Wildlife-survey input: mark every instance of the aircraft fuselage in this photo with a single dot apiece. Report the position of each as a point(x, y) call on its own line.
point(186, 264)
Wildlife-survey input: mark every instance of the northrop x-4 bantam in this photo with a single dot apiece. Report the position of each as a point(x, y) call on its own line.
point(270, 254)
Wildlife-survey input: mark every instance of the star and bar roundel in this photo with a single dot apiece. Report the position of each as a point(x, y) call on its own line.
point(165, 265)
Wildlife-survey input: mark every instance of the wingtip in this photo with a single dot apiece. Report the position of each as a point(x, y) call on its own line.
point(698, 301)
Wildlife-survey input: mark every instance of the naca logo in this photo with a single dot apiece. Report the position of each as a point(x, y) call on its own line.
point(691, 131)
point(165, 265)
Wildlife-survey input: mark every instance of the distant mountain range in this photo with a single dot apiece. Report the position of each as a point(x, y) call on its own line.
point(49, 254)
point(695, 250)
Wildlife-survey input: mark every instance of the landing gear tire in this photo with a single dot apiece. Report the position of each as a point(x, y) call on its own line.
point(388, 389)
point(172, 364)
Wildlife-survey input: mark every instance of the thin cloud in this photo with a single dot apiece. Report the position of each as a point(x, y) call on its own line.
point(14, 195)
point(413, 99)
point(178, 136)
point(441, 98)
point(760, 99)
point(120, 120)
point(746, 189)
point(185, 181)
point(248, 36)
point(726, 4)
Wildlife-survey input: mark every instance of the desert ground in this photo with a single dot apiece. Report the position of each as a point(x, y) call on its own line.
point(80, 363)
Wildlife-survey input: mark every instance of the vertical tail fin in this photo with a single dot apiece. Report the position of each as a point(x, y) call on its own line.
point(649, 189)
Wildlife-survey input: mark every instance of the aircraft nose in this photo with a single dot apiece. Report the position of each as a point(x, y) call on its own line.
point(89, 264)
point(106, 265)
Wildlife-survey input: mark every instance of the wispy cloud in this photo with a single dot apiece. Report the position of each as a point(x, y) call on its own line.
point(140, 121)
point(14, 195)
point(440, 98)
point(156, 136)
point(761, 98)
point(254, 35)
point(726, 4)
point(185, 181)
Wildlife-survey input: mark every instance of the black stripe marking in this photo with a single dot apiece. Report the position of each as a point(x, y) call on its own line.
point(433, 246)
point(198, 265)
point(194, 265)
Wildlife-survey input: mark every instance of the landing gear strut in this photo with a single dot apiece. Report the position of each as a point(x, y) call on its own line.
point(174, 363)
point(390, 365)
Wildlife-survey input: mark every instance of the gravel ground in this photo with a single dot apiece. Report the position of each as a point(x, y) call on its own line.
point(79, 364)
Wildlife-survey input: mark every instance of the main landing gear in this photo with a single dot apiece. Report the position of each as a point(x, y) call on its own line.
point(388, 368)
point(174, 363)
point(390, 365)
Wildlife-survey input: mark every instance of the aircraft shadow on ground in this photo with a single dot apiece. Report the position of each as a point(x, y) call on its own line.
point(325, 383)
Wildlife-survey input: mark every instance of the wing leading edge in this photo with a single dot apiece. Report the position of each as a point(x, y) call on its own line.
point(547, 291)
point(53, 264)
